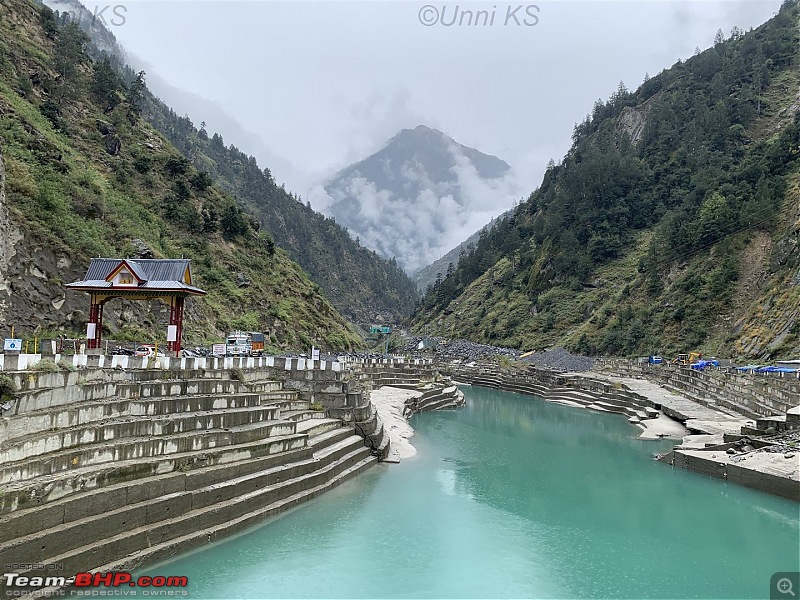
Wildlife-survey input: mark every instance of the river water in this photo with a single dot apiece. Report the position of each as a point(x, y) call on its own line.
point(513, 497)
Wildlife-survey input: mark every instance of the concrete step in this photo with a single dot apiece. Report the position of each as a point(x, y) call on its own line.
point(577, 399)
point(180, 472)
point(574, 393)
point(61, 488)
point(141, 447)
point(302, 415)
point(315, 427)
point(330, 437)
point(726, 406)
point(295, 404)
point(178, 387)
point(177, 516)
point(279, 396)
point(340, 447)
point(617, 408)
point(72, 415)
point(442, 402)
point(207, 535)
point(265, 385)
point(218, 486)
point(80, 436)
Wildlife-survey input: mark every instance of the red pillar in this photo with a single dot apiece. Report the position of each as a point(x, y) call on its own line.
point(176, 318)
point(98, 338)
point(96, 317)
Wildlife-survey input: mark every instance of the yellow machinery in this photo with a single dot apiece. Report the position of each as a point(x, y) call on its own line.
point(687, 359)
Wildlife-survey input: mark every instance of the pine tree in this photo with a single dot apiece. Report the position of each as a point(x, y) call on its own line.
point(68, 57)
point(106, 85)
point(136, 94)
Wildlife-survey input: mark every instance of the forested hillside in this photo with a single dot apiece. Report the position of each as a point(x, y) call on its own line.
point(83, 174)
point(673, 222)
point(361, 284)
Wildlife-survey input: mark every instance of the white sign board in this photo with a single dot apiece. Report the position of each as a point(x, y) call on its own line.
point(314, 353)
point(12, 345)
point(172, 333)
point(91, 329)
point(218, 349)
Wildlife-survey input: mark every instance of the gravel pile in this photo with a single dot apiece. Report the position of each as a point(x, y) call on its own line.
point(462, 349)
point(787, 444)
point(560, 359)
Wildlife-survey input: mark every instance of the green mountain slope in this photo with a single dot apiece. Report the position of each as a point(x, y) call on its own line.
point(426, 277)
point(83, 174)
point(672, 224)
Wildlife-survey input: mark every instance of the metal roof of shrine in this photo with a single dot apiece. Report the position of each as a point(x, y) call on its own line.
point(171, 274)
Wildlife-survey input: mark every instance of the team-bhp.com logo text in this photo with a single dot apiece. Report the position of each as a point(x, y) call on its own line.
point(88, 584)
point(511, 15)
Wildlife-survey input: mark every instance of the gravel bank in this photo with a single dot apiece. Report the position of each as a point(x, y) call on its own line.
point(560, 359)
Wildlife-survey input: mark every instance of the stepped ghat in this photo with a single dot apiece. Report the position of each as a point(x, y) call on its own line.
point(125, 463)
point(564, 388)
point(763, 398)
point(732, 435)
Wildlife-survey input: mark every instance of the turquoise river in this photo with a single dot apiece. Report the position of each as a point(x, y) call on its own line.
point(513, 497)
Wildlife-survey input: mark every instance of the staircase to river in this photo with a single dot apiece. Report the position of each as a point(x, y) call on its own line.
point(135, 471)
point(565, 389)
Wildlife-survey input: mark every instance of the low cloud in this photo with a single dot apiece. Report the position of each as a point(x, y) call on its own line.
point(418, 229)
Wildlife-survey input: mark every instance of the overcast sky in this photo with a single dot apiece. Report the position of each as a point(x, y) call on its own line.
point(321, 84)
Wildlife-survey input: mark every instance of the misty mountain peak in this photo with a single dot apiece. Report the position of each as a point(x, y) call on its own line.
point(419, 195)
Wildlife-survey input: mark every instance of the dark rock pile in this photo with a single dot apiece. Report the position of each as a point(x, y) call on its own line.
point(559, 359)
point(463, 349)
point(787, 443)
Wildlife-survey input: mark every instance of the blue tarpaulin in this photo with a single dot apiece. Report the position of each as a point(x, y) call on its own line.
point(771, 369)
point(702, 364)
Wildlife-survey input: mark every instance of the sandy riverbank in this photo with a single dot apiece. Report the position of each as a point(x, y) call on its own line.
point(390, 402)
point(662, 427)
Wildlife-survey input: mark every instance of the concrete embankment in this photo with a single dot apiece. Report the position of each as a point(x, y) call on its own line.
point(751, 395)
point(744, 427)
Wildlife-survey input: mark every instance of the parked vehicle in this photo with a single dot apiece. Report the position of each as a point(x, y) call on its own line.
point(687, 359)
point(237, 344)
point(148, 350)
point(244, 343)
point(700, 365)
point(256, 343)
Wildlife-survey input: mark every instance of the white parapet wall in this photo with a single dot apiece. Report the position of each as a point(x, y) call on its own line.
point(26, 362)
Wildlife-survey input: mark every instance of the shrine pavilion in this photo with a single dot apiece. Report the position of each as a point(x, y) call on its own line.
point(168, 280)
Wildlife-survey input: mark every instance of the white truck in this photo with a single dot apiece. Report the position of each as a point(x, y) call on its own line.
point(244, 343)
point(237, 344)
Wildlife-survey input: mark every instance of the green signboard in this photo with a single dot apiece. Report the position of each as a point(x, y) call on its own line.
point(381, 329)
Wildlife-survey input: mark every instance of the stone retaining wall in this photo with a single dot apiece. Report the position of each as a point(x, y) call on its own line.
point(748, 477)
